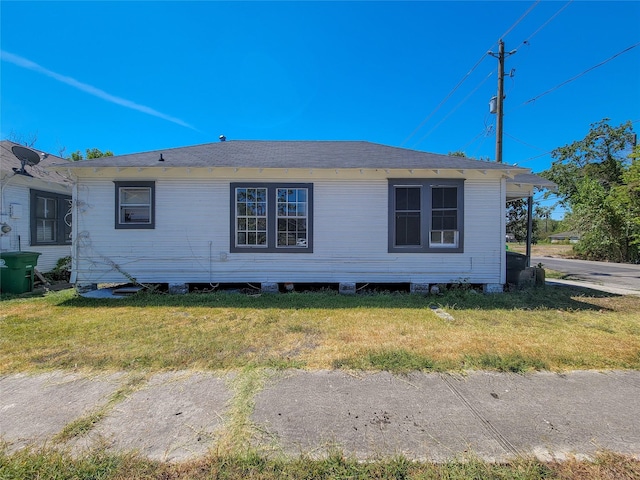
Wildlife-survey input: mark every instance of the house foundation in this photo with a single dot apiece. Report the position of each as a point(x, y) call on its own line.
point(178, 288)
point(269, 287)
point(493, 288)
point(419, 288)
point(347, 288)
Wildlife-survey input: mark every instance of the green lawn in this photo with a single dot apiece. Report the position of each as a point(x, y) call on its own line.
point(49, 464)
point(549, 328)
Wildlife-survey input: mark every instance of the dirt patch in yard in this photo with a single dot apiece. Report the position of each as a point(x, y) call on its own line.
point(545, 250)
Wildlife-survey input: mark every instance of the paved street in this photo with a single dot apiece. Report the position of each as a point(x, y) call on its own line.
point(602, 273)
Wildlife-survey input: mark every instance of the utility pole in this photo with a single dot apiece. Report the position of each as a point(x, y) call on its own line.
point(500, 98)
point(499, 113)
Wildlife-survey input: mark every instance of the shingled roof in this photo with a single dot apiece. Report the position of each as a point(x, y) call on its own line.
point(292, 154)
point(9, 164)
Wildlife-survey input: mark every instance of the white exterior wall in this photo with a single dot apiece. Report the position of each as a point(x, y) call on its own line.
point(190, 242)
point(19, 239)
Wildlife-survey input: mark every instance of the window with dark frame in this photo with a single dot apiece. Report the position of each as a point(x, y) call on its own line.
point(50, 215)
point(271, 217)
point(426, 215)
point(135, 205)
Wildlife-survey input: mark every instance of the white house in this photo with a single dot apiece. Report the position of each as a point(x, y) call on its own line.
point(275, 212)
point(35, 207)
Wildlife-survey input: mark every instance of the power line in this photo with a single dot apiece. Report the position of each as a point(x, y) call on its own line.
point(485, 131)
point(481, 143)
point(523, 142)
point(526, 41)
point(484, 55)
point(453, 110)
point(581, 74)
point(519, 20)
point(428, 117)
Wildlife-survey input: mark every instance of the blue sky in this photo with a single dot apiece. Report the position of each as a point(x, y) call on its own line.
point(137, 76)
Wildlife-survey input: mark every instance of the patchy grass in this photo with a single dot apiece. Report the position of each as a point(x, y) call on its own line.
point(238, 428)
point(84, 424)
point(80, 426)
point(548, 328)
point(391, 360)
point(32, 464)
point(402, 361)
point(513, 362)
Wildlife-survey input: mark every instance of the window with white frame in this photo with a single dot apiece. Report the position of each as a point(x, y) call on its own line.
point(135, 207)
point(444, 216)
point(426, 215)
point(50, 218)
point(271, 217)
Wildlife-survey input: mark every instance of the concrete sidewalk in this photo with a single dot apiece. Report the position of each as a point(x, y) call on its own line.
point(180, 415)
point(555, 282)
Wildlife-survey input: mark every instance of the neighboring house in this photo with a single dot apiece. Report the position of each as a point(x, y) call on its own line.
point(274, 212)
point(35, 207)
point(571, 237)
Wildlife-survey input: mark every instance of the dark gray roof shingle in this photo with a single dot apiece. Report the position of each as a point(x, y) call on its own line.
point(9, 162)
point(292, 154)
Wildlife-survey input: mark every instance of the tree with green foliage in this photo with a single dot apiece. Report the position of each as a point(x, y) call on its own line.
point(627, 197)
point(457, 153)
point(517, 221)
point(597, 179)
point(544, 213)
point(91, 153)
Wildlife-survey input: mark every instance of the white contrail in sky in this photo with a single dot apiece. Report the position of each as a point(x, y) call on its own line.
point(96, 92)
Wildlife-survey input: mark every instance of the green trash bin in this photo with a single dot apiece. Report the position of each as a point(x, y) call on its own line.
point(17, 271)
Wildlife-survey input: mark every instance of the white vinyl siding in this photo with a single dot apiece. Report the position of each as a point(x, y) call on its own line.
point(192, 239)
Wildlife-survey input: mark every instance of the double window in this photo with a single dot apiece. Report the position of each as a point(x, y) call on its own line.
point(271, 217)
point(50, 218)
point(135, 205)
point(426, 215)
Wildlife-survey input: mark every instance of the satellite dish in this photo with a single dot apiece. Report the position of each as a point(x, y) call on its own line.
point(26, 157)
